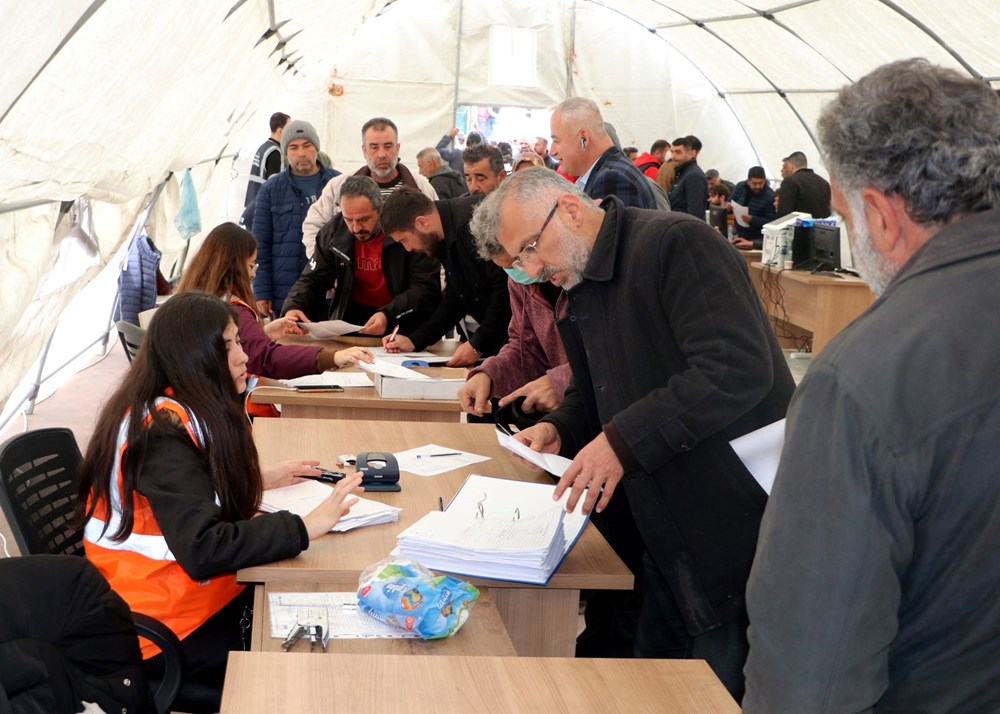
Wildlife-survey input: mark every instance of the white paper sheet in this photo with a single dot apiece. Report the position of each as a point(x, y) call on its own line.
point(420, 460)
point(741, 213)
point(760, 452)
point(331, 379)
point(328, 329)
point(388, 369)
point(303, 497)
point(400, 357)
point(553, 463)
point(337, 612)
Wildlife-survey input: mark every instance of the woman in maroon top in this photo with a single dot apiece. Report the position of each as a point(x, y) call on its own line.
point(224, 266)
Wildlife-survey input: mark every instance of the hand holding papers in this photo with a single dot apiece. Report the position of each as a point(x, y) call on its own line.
point(553, 463)
point(328, 329)
point(741, 213)
point(302, 498)
point(496, 528)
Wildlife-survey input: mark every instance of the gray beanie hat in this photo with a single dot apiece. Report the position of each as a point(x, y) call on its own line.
point(298, 129)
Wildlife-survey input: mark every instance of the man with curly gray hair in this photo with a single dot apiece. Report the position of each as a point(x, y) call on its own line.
point(875, 584)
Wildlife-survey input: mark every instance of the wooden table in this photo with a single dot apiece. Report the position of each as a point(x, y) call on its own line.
point(482, 634)
point(360, 403)
point(541, 621)
point(298, 683)
point(820, 304)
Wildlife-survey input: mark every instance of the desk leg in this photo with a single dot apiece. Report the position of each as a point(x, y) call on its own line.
point(259, 621)
point(541, 622)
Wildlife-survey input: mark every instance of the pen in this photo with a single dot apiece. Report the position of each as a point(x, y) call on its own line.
point(440, 503)
point(392, 337)
point(450, 453)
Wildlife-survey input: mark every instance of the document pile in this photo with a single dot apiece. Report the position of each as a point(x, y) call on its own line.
point(495, 528)
point(301, 498)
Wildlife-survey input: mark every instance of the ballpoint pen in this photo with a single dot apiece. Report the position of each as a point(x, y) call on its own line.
point(392, 337)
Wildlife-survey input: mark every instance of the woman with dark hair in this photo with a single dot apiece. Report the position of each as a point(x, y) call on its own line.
point(171, 482)
point(224, 266)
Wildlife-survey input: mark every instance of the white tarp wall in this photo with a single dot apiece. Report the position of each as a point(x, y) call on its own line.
point(103, 99)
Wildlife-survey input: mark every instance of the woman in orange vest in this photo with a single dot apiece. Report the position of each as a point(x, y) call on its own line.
point(224, 265)
point(171, 482)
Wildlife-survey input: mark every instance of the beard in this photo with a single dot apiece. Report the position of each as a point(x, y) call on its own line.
point(873, 266)
point(576, 254)
point(384, 172)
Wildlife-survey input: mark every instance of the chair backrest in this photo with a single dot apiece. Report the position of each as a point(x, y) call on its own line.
point(131, 337)
point(38, 494)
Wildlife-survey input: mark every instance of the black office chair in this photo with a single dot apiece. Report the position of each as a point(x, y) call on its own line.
point(131, 337)
point(38, 497)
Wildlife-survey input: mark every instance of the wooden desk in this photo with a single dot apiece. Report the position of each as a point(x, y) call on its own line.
point(296, 683)
point(360, 403)
point(482, 634)
point(819, 304)
point(541, 621)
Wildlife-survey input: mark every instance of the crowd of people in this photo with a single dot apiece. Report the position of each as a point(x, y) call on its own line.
point(634, 340)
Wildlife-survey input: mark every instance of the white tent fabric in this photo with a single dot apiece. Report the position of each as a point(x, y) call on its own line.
point(107, 100)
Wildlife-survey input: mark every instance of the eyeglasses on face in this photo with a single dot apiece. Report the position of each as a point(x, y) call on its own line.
point(529, 253)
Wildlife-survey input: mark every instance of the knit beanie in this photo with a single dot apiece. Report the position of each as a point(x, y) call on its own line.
point(298, 129)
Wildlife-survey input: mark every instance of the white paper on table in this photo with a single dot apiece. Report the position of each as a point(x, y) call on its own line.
point(337, 612)
point(741, 213)
point(328, 329)
point(331, 379)
point(553, 463)
point(399, 357)
point(420, 462)
point(760, 452)
point(388, 369)
point(301, 498)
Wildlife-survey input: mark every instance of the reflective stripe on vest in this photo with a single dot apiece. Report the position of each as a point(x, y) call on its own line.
point(141, 568)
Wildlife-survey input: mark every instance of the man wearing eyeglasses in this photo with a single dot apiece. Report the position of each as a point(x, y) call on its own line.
point(473, 286)
point(672, 357)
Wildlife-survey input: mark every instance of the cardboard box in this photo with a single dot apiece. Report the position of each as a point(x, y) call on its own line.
point(444, 386)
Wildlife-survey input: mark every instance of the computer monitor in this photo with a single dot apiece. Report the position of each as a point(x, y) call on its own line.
point(826, 247)
point(717, 218)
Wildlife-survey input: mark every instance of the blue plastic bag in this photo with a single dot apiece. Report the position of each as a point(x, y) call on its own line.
point(407, 595)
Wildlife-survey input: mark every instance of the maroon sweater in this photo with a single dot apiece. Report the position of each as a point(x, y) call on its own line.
point(267, 357)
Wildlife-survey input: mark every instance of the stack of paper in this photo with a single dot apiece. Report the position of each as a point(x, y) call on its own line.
point(330, 379)
point(495, 528)
point(301, 498)
point(395, 382)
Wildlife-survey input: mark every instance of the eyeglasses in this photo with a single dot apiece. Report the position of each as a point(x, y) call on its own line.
point(530, 251)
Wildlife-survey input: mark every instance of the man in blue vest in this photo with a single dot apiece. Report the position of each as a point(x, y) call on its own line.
point(266, 163)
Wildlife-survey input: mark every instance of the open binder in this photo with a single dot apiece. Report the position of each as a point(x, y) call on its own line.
point(498, 529)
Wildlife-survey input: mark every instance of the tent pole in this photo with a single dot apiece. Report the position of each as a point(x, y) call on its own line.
point(458, 62)
point(572, 50)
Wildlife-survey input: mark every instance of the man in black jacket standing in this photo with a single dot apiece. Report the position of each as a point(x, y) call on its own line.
point(672, 357)
point(375, 283)
point(802, 189)
point(473, 286)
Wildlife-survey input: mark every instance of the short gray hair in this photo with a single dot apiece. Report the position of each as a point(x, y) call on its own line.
point(925, 133)
point(429, 154)
point(362, 186)
point(582, 113)
point(533, 190)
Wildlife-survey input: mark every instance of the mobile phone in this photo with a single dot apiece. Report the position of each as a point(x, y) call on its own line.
point(319, 388)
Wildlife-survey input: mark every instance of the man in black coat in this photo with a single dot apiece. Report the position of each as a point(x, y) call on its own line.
point(375, 283)
point(802, 189)
point(672, 357)
point(473, 286)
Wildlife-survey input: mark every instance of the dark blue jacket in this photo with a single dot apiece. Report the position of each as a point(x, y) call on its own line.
point(615, 175)
point(137, 282)
point(761, 207)
point(277, 226)
point(690, 191)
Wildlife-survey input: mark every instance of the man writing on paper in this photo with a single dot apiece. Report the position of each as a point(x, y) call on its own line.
point(875, 585)
point(672, 357)
point(473, 286)
point(375, 283)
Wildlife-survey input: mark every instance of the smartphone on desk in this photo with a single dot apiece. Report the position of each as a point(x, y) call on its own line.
point(319, 388)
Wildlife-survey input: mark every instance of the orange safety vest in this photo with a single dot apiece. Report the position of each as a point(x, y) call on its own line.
point(141, 568)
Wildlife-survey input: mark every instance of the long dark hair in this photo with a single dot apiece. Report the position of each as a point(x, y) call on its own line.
point(220, 265)
point(184, 351)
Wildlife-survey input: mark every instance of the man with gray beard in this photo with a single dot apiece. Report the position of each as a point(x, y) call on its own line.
point(672, 357)
point(380, 146)
point(875, 584)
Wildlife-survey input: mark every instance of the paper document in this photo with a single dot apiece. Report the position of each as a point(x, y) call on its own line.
point(760, 452)
point(400, 357)
point(553, 463)
point(330, 379)
point(338, 613)
point(741, 213)
point(301, 498)
point(431, 460)
point(328, 329)
point(388, 369)
point(496, 528)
